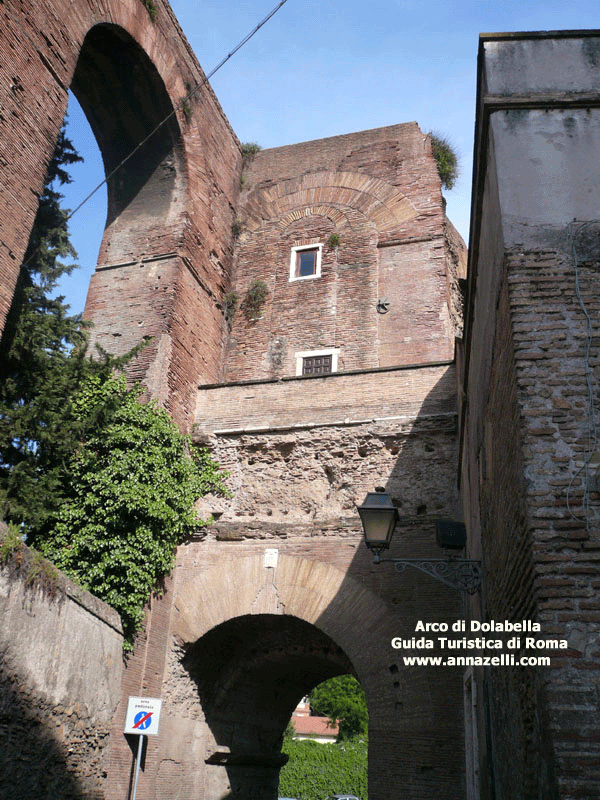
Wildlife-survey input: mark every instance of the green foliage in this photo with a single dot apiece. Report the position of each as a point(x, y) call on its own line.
point(186, 107)
point(38, 574)
point(230, 303)
point(237, 226)
point(130, 500)
point(11, 544)
point(317, 770)
point(290, 731)
point(151, 9)
point(255, 298)
point(342, 699)
point(249, 150)
point(333, 241)
point(42, 355)
point(446, 160)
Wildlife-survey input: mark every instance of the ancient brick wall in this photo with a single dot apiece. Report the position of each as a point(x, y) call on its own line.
point(166, 253)
point(243, 630)
point(377, 193)
point(529, 413)
point(60, 683)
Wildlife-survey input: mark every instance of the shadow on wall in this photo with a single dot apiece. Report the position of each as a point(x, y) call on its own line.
point(38, 756)
point(325, 609)
point(250, 673)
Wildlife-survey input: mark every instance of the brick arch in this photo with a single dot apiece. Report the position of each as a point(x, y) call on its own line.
point(336, 215)
point(310, 590)
point(126, 101)
point(254, 640)
point(383, 204)
point(165, 249)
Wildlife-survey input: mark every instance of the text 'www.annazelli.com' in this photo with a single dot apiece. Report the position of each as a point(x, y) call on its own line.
point(507, 638)
point(502, 660)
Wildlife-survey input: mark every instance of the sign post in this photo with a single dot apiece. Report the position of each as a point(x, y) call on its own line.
point(143, 716)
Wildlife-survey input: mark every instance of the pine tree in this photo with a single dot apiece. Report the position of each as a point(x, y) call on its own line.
point(41, 353)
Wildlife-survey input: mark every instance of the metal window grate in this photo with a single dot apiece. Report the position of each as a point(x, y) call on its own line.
point(316, 365)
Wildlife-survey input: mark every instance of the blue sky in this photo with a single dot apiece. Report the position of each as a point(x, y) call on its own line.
point(324, 68)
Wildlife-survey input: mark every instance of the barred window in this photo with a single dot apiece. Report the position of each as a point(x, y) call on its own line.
point(317, 362)
point(316, 365)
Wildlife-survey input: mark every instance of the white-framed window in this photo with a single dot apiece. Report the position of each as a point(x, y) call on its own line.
point(305, 262)
point(317, 362)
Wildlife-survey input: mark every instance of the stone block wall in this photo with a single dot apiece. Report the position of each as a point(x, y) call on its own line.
point(61, 659)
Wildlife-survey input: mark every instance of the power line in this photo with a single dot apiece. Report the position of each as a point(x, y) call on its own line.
point(189, 95)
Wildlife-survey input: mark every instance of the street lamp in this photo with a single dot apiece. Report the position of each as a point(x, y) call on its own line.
point(379, 517)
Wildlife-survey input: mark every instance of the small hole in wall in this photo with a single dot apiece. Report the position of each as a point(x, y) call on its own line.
point(422, 509)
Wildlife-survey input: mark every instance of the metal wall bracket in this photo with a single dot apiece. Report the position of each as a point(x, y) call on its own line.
point(461, 574)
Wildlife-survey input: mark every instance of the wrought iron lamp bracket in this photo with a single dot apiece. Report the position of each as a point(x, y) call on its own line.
point(463, 575)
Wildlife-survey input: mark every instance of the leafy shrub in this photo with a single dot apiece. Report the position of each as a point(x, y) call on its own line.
point(230, 303)
point(446, 160)
point(255, 298)
point(151, 9)
point(249, 150)
point(317, 770)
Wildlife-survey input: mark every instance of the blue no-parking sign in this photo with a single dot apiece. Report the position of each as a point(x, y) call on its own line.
point(143, 715)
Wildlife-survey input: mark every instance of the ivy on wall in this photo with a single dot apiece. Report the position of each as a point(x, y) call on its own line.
point(133, 484)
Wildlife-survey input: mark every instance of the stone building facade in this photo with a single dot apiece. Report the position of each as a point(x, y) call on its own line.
point(302, 308)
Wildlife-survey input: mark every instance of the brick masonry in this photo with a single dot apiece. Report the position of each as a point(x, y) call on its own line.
point(168, 237)
point(301, 452)
point(232, 644)
point(378, 193)
point(529, 415)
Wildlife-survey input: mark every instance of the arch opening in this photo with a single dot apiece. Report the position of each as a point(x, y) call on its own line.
point(250, 673)
point(124, 99)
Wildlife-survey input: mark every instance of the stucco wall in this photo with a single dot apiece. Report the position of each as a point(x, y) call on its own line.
point(61, 659)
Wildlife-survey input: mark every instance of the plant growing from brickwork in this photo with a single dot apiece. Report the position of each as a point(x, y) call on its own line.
point(446, 160)
point(237, 226)
point(186, 107)
point(249, 150)
point(316, 770)
point(333, 241)
point(255, 298)
point(151, 9)
point(230, 304)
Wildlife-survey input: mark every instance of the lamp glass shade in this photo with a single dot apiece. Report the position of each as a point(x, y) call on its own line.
point(378, 516)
